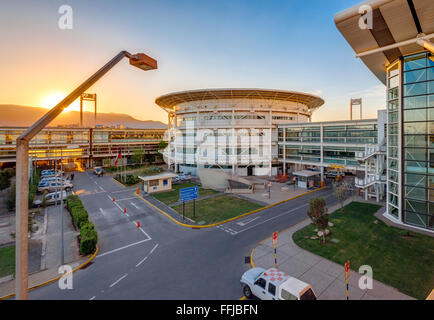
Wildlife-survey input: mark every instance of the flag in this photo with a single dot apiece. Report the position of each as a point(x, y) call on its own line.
point(117, 158)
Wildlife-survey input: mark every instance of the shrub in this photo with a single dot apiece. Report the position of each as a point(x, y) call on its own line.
point(79, 215)
point(88, 234)
point(88, 240)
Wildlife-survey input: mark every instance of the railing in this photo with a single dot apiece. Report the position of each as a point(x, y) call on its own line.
point(369, 180)
point(370, 150)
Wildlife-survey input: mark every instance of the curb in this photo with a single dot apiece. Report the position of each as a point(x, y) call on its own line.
point(227, 220)
point(58, 277)
point(124, 186)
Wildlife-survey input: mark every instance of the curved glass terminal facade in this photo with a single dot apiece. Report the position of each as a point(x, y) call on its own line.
point(411, 140)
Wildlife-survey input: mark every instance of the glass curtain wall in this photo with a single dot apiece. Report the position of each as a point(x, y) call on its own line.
point(418, 140)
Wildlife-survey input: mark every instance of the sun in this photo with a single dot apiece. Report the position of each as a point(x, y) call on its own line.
point(49, 101)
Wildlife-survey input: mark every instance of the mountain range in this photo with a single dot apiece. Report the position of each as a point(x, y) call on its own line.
point(23, 116)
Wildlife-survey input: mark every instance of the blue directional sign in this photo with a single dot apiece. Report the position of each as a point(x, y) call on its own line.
point(187, 194)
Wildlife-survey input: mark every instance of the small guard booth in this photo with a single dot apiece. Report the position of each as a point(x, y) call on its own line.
point(306, 178)
point(158, 182)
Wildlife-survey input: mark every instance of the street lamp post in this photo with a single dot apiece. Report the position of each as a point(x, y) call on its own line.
point(140, 61)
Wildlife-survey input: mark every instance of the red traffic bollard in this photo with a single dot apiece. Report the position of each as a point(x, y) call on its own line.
point(138, 224)
point(125, 210)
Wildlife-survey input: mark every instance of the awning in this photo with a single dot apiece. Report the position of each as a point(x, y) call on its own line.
point(306, 173)
point(394, 22)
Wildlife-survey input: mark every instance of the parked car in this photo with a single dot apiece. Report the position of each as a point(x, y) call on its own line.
point(99, 171)
point(184, 177)
point(52, 179)
point(49, 171)
point(273, 284)
point(54, 186)
point(51, 198)
point(51, 174)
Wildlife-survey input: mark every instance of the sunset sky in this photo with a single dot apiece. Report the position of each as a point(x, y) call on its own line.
point(289, 45)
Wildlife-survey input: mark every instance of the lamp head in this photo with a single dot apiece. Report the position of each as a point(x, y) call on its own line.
point(144, 62)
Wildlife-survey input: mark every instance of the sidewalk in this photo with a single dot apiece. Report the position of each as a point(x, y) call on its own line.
point(326, 277)
point(38, 278)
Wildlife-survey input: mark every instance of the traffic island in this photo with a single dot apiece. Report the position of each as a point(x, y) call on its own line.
point(216, 209)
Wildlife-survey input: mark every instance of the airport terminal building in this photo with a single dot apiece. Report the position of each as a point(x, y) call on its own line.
point(267, 132)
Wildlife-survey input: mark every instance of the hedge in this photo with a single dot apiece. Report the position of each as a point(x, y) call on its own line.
point(88, 234)
point(88, 238)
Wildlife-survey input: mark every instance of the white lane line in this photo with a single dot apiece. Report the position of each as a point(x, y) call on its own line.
point(153, 249)
point(145, 233)
point(117, 281)
point(101, 188)
point(272, 218)
point(243, 223)
point(144, 259)
point(95, 182)
point(102, 211)
point(126, 199)
point(92, 298)
point(134, 205)
point(121, 248)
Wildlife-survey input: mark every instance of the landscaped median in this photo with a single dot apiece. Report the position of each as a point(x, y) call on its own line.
point(398, 258)
point(80, 217)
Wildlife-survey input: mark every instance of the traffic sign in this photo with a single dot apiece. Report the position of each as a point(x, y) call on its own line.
point(187, 194)
point(347, 266)
point(275, 238)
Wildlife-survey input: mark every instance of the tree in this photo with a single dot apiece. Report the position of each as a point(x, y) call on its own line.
point(318, 214)
point(162, 145)
point(137, 156)
point(341, 192)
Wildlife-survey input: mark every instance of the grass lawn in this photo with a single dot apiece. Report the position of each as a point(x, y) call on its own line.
point(7, 261)
point(402, 262)
point(173, 196)
point(217, 209)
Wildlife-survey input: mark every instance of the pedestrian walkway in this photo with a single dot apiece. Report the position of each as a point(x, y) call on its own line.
point(326, 277)
point(51, 250)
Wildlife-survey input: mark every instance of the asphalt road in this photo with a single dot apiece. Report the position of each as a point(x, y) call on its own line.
point(160, 259)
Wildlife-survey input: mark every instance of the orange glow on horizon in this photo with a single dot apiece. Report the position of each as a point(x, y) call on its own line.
point(51, 100)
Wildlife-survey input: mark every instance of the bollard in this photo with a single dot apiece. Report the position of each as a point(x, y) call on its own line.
point(125, 210)
point(138, 224)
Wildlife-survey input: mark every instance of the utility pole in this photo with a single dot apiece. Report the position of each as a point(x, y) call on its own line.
point(62, 257)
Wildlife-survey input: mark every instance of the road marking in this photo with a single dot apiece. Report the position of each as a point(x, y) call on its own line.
point(245, 222)
point(272, 218)
point(126, 199)
point(102, 211)
point(121, 248)
point(117, 281)
point(145, 233)
point(134, 205)
point(101, 188)
point(92, 298)
point(144, 259)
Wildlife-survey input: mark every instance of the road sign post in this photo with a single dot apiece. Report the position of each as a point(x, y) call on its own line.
point(347, 275)
point(187, 194)
point(275, 248)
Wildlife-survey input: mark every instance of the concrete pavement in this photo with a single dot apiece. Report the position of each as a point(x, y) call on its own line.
point(326, 277)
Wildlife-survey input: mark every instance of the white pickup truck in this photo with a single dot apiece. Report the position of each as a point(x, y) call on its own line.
point(273, 284)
